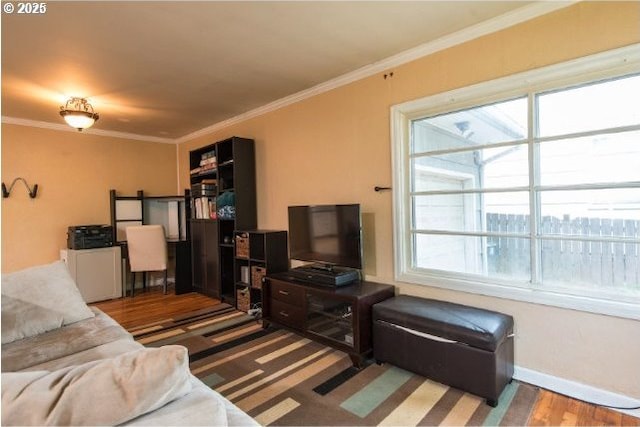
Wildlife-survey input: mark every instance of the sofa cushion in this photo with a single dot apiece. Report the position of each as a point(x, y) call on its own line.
point(202, 406)
point(62, 342)
point(106, 392)
point(39, 299)
point(101, 352)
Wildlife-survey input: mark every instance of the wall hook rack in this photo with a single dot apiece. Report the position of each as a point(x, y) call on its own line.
point(376, 188)
point(32, 191)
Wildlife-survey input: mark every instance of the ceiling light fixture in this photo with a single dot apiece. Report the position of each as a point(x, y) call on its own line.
point(78, 113)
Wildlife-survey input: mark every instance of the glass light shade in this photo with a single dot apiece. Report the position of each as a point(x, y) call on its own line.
point(78, 113)
point(79, 119)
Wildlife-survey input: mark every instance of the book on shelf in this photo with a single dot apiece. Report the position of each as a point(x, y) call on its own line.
point(203, 189)
point(197, 208)
point(209, 161)
point(213, 213)
point(202, 170)
point(205, 208)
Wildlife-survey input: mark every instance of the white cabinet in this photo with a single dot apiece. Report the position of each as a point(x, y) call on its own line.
point(97, 272)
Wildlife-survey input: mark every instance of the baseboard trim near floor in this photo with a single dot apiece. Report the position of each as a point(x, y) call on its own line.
point(577, 390)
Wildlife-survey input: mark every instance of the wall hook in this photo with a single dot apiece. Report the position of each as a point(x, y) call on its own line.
point(32, 191)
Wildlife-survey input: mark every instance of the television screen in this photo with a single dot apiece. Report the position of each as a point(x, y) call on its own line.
point(329, 234)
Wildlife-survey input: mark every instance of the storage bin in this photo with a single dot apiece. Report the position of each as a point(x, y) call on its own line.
point(243, 299)
point(242, 245)
point(257, 273)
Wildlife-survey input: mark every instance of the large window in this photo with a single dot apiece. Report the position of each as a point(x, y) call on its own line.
point(526, 189)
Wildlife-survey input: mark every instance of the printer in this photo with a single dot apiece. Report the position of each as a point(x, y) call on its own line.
point(89, 236)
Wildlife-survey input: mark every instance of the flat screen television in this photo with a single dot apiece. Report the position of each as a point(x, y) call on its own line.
point(327, 234)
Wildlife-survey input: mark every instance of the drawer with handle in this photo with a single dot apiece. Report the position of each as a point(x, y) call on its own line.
point(287, 314)
point(287, 293)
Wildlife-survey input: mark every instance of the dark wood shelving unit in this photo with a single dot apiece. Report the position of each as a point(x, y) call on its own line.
point(264, 252)
point(233, 173)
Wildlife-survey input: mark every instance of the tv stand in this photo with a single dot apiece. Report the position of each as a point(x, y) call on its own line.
point(338, 317)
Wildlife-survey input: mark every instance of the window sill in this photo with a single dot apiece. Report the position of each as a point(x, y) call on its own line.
point(626, 310)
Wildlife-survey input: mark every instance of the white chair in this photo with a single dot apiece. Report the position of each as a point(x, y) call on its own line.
point(147, 248)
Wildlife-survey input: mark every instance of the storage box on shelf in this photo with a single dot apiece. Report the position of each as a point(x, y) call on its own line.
point(242, 245)
point(257, 275)
point(243, 299)
point(223, 194)
point(258, 253)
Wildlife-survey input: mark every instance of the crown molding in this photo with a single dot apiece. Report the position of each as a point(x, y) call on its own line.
point(90, 131)
point(489, 26)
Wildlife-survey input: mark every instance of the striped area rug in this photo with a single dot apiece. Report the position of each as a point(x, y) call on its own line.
point(280, 378)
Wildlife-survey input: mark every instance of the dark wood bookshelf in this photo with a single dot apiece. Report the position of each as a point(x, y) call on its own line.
point(212, 235)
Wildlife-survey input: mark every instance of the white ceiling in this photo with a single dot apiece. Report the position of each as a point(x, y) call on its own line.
point(168, 69)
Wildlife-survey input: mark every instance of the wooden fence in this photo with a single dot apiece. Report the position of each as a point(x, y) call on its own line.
point(584, 263)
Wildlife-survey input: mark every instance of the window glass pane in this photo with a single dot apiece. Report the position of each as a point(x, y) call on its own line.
point(498, 212)
point(499, 257)
point(602, 266)
point(501, 167)
point(488, 124)
point(613, 212)
point(599, 158)
point(505, 167)
point(455, 153)
point(596, 106)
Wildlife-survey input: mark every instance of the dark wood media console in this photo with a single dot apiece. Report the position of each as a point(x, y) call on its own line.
point(336, 316)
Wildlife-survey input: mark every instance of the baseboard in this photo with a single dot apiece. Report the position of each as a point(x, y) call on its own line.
point(577, 390)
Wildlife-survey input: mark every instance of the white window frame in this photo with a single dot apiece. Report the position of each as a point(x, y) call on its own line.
point(596, 67)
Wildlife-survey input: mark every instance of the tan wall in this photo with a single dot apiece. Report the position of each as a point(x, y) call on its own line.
point(74, 172)
point(335, 147)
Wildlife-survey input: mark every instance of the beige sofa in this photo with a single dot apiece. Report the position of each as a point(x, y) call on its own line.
point(91, 371)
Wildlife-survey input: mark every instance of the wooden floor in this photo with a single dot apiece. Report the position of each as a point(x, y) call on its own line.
point(153, 306)
point(551, 409)
point(556, 410)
